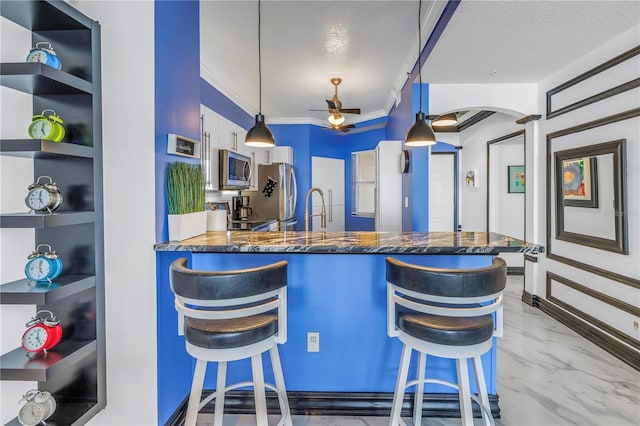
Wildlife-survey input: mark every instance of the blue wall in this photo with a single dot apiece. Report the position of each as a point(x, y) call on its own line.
point(177, 88)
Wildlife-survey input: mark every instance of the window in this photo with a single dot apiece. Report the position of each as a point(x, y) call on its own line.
point(363, 183)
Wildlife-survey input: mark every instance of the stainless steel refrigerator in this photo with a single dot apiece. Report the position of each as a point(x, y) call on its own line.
point(276, 195)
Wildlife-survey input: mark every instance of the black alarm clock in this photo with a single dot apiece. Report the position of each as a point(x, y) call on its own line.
point(43, 197)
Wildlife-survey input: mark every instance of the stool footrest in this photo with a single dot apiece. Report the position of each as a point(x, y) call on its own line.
point(214, 394)
point(451, 385)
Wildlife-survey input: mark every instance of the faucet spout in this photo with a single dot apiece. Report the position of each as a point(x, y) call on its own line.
point(307, 215)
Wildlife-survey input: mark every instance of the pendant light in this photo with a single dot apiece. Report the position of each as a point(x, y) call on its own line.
point(420, 134)
point(445, 120)
point(259, 135)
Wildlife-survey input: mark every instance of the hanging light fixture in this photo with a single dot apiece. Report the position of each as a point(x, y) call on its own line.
point(420, 134)
point(445, 120)
point(259, 135)
point(336, 119)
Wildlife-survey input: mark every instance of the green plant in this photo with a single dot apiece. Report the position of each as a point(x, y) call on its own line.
point(184, 187)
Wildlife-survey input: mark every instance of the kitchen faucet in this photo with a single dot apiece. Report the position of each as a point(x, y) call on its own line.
point(323, 215)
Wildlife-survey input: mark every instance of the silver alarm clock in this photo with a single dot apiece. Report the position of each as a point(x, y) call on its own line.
point(36, 407)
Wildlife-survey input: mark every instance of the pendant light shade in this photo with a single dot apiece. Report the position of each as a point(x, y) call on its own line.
point(420, 134)
point(445, 120)
point(259, 135)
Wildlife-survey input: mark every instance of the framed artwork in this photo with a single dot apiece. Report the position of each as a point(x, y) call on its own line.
point(516, 179)
point(579, 177)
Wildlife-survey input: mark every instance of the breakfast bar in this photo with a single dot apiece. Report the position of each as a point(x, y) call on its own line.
point(336, 288)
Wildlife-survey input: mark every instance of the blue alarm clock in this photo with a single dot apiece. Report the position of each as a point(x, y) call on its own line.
point(43, 266)
point(43, 52)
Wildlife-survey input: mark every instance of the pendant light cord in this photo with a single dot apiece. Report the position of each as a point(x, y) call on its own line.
point(260, 64)
point(419, 52)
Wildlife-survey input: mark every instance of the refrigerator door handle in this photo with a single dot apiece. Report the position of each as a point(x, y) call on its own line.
point(294, 192)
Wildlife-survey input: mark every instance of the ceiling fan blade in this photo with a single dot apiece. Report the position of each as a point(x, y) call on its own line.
point(350, 110)
point(324, 110)
point(331, 104)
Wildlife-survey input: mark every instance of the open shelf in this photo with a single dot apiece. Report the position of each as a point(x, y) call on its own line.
point(26, 292)
point(42, 15)
point(44, 220)
point(17, 365)
point(40, 148)
point(40, 79)
point(67, 413)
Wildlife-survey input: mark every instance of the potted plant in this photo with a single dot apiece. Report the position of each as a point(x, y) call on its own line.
point(184, 188)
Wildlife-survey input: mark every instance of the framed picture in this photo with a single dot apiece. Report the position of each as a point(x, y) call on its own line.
point(579, 177)
point(516, 179)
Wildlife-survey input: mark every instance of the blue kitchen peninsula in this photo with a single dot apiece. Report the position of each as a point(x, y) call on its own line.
point(337, 288)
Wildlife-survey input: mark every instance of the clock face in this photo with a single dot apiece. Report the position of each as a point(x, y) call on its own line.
point(38, 269)
point(38, 199)
point(40, 129)
point(34, 338)
point(37, 56)
point(31, 414)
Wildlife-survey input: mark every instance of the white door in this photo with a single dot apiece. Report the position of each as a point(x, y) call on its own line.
point(328, 175)
point(442, 204)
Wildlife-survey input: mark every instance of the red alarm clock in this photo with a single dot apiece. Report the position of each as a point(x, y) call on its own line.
point(42, 334)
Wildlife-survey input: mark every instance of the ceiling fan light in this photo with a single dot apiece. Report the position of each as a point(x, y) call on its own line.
point(420, 134)
point(336, 119)
point(260, 135)
point(445, 120)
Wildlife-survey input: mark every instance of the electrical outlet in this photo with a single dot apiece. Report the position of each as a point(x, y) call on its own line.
point(313, 341)
point(636, 326)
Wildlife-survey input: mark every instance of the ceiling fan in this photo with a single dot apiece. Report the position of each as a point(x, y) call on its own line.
point(335, 109)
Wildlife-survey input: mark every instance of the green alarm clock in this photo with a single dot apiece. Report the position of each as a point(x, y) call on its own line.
point(43, 197)
point(43, 266)
point(43, 53)
point(48, 127)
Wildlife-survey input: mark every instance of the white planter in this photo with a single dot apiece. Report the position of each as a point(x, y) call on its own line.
point(183, 226)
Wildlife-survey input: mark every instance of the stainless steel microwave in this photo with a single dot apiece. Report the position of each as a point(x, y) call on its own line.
point(235, 170)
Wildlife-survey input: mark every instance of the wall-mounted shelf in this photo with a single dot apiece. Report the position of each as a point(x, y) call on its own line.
point(26, 292)
point(43, 220)
point(43, 16)
point(39, 79)
point(16, 365)
point(74, 371)
point(43, 149)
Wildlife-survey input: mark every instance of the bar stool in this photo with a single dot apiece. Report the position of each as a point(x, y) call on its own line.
point(446, 313)
point(232, 315)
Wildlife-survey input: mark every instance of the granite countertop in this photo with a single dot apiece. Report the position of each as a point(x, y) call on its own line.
point(352, 242)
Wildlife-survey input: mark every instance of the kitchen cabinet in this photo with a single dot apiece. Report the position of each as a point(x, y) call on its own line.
point(218, 133)
point(328, 175)
point(282, 154)
point(74, 370)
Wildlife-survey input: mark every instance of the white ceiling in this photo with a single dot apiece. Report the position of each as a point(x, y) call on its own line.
point(372, 45)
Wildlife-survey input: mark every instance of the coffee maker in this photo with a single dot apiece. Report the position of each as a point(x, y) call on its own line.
point(240, 208)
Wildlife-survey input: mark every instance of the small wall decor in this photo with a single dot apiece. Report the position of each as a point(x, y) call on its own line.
point(578, 182)
point(183, 146)
point(470, 178)
point(516, 179)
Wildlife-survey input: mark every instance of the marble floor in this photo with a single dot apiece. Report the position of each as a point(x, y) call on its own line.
point(548, 376)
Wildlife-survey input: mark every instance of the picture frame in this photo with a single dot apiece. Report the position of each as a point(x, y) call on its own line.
point(579, 182)
point(516, 179)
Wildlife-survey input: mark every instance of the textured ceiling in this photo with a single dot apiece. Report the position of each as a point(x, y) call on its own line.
point(372, 45)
